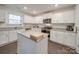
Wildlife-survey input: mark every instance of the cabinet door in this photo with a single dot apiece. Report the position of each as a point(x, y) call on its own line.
point(2, 15)
point(63, 17)
point(53, 36)
point(77, 15)
point(3, 37)
point(70, 39)
point(38, 19)
point(77, 24)
point(65, 38)
point(28, 19)
point(12, 35)
point(68, 16)
point(56, 36)
point(77, 42)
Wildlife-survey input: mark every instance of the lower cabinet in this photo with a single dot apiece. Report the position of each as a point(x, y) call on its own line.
point(77, 41)
point(7, 37)
point(3, 37)
point(56, 36)
point(70, 39)
point(65, 38)
point(12, 36)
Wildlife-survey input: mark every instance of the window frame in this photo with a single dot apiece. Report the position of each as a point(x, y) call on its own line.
point(21, 20)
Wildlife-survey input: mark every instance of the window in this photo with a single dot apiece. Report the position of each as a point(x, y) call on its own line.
point(14, 19)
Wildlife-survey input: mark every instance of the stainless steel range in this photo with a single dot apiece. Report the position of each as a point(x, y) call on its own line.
point(46, 30)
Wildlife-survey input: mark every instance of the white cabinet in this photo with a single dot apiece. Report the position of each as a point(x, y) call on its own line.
point(7, 37)
point(56, 36)
point(28, 19)
point(63, 17)
point(2, 15)
point(77, 15)
point(38, 19)
point(65, 38)
point(70, 39)
point(3, 37)
point(58, 17)
point(77, 43)
point(48, 15)
point(12, 36)
point(77, 25)
point(69, 16)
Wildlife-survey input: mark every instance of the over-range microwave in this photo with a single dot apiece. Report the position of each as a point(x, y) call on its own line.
point(47, 20)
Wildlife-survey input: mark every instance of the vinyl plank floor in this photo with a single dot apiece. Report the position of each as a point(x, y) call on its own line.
point(53, 48)
point(9, 49)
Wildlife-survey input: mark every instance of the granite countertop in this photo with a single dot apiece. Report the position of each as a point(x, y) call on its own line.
point(38, 35)
point(16, 28)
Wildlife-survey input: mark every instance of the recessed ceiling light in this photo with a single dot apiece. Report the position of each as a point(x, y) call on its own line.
point(25, 8)
point(56, 5)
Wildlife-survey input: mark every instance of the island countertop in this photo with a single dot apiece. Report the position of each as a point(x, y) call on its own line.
point(35, 36)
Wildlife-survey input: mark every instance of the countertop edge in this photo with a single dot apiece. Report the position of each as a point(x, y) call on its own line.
point(30, 38)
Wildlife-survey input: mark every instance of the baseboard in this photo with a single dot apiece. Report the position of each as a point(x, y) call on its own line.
point(8, 43)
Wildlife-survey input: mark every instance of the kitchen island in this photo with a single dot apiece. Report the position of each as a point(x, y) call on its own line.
point(31, 42)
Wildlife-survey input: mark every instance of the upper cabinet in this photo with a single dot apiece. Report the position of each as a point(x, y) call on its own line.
point(77, 15)
point(2, 15)
point(66, 16)
point(28, 19)
point(48, 15)
point(38, 19)
point(63, 17)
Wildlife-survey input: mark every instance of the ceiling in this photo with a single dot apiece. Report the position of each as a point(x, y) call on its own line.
point(35, 9)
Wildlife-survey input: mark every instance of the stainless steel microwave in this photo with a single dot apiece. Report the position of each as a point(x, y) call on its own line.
point(48, 20)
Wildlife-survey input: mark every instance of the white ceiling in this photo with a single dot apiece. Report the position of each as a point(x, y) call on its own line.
point(39, 8)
